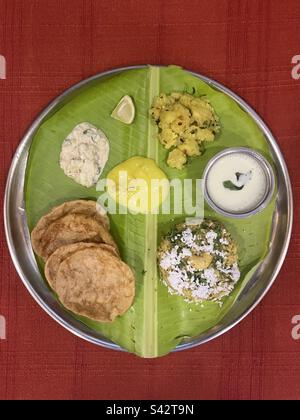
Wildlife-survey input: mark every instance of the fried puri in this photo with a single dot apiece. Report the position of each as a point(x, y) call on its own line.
point(64, 252)
point(72, 222)
point(92, 282)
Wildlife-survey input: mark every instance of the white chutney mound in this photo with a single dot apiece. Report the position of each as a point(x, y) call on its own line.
point(84, 154)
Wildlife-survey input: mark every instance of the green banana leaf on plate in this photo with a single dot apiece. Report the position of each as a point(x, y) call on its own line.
point(158, 321)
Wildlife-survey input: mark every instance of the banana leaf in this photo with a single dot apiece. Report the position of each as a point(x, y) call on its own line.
point(158, 321)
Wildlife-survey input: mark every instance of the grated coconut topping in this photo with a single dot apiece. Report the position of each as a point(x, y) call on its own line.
point(182, 278)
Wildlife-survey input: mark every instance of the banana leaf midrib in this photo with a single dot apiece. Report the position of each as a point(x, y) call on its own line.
point(150, 344)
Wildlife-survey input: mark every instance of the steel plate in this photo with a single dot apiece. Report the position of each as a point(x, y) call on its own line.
point(18, 237)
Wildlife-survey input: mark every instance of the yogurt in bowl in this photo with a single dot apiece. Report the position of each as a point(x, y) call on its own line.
point(238, 182)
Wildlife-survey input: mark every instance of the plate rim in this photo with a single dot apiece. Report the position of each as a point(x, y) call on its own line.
point(210, 335)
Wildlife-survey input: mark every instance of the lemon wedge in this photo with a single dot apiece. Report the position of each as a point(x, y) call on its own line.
point(124, 111)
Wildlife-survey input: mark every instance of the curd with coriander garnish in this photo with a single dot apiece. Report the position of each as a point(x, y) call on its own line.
point(238, 182)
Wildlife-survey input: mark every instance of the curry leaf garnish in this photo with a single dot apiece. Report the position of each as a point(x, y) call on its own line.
point(231, 186)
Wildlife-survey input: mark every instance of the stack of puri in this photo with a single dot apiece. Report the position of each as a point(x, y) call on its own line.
point(83, 264)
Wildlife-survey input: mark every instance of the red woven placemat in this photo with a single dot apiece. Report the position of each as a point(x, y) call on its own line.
point(248, 46)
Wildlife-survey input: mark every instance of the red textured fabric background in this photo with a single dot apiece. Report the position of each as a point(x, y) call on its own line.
point(246, 44)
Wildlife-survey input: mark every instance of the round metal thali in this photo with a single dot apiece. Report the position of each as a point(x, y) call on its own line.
point(18, 236)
